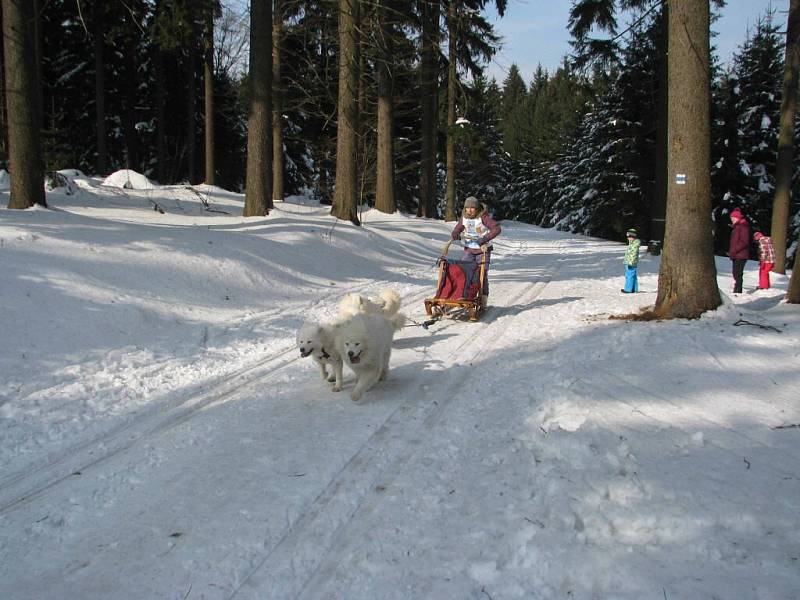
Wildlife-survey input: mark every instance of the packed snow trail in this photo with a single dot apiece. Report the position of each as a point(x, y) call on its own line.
point(123, 447)
point(382, 458)
point(543, 452)
point(25, 484)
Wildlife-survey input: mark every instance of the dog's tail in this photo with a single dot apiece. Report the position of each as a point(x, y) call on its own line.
point(391, 301)
point(350, 306)
point(398, 321)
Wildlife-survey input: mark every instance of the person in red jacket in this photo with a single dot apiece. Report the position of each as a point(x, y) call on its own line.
point(476, 228)
point(739, 249)
point(766, 259)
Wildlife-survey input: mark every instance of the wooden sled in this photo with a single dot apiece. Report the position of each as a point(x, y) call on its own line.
point(453, 298)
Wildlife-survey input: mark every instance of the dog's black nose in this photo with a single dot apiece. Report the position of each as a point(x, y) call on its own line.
point(351, 354)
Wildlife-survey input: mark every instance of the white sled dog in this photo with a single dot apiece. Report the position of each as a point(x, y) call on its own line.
point(365, 345)
point(387, 304)
point(319, 341)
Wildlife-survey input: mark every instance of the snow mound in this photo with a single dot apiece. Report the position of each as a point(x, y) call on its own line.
point(71, 173)
point(129, 180)
point(5, 180)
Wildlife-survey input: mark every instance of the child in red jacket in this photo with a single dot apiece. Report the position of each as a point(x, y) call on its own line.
point(766, 259)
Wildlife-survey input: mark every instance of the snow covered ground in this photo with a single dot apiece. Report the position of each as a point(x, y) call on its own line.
point(161, 438)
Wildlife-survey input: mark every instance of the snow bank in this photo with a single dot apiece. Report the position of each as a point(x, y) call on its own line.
point(129, 180)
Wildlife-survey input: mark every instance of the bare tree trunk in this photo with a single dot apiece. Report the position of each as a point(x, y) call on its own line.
point(161, 124)
point(345, 191)
point(3, 103)
point(38, 37)
point(161, 100)
point(208, 81)
point(658, 202)
point(793, 296)
point(384, 186)
point(362, 139)
point(278, 165)
point(258, 190)
point(130, 101)
point(191, 104)
point(783, 172)
point(25, 144)
point(452, 82)
point(687, 282)
point(429, 103)
point(99, 88)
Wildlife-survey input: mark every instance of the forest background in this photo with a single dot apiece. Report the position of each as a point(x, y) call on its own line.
point(132, 84)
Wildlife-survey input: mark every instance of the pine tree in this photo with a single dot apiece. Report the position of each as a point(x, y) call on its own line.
point(345, 190)
point(757, 72)
point(480, 157)
point(515, 113)
point(786, 141)
point(687, 283)
point(21, 84)
point(258, 192)
point(209, 10)
point(470, 38)
point(429, 101)
point(278, 93)
point(602, 183)
point(384, 167)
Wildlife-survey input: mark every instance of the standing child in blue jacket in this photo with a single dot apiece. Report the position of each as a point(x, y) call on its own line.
point(632, 263)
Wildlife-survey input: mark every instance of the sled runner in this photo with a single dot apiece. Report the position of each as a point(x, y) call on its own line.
point(458, 288)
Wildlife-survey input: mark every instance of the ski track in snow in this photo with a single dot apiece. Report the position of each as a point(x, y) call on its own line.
point(579, 479)
point(303, 555)
point(17, 488)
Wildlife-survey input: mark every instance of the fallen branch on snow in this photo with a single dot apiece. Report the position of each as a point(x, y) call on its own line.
point(743, 322)
point(787, 426)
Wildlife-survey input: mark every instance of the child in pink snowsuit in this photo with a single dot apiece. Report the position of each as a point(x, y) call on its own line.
point(766, 259)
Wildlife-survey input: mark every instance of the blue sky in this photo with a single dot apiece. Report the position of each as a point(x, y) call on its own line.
point(534, 31)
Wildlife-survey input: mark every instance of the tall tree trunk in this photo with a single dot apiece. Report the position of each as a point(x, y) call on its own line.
point(345, 191)
point(38, 37)
point(258, 189)
point(99, 88)
point(793, 296)
point(131, 97)
point(208, 81)
point(384, 176)
point(429, 72)
point(161, 101)
point(3, 103)
point(25, 143)
point(783, 171)
point(658, 202)
point(161, 119)
point(278, 165)
point(362, 139)
point(687, 281)
point(452, 82)
point(191, 105)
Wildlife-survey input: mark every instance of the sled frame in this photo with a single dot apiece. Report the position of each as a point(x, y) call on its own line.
point(448, 308)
